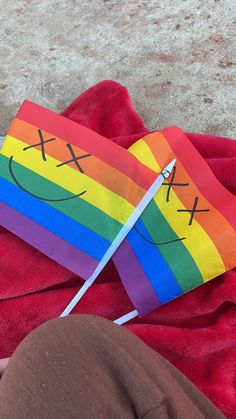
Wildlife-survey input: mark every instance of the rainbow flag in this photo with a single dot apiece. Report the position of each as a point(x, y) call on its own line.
point(186, 235)
point(67, 190)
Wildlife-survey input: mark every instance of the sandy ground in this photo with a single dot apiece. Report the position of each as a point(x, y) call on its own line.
point(177, 58)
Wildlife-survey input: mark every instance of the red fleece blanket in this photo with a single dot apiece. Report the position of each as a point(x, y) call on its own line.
point(195, 332)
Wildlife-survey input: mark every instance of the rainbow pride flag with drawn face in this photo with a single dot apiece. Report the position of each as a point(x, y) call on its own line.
point(186, 235)
point(65, 189)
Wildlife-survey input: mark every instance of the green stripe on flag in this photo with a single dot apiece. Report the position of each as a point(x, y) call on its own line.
point(176, 255)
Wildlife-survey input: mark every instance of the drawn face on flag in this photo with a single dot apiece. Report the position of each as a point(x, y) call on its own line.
point(192, 211)
point(65, 189)
point(186, 235)
point(42, 144)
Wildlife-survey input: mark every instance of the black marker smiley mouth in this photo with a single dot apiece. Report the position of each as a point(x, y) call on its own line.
point(34, 195)
point(157, 243)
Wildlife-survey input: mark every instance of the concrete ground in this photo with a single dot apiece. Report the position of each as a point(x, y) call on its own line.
point(176, 57)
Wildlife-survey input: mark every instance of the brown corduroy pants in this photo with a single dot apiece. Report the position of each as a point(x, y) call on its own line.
point(86, 367)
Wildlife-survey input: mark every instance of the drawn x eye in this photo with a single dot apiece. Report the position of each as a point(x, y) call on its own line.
point(41, 143)
point(74, 158)
point(172, 183)
point(193, 210)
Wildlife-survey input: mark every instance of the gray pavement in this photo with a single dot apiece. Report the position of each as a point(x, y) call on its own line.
point(177, 58)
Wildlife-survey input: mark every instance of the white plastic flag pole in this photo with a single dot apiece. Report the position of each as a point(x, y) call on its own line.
point(121, 235)
point(129, 316)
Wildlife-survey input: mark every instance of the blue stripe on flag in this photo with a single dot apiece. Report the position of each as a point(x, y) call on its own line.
point(154, 265)
point(53, 220)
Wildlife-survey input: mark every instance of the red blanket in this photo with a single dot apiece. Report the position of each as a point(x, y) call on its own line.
point(195, 332)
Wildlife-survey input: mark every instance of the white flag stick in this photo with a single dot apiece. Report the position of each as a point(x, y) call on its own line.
point(121, 235)
point(129, 316)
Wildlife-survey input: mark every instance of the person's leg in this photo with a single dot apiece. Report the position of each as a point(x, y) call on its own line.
point(86, 367)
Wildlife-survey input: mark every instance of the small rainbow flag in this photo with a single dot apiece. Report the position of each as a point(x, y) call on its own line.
point(186, 235)
point(67, 190)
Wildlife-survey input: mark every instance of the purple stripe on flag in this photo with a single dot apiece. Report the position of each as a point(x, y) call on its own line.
point(135, 280)
point(56, 248)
